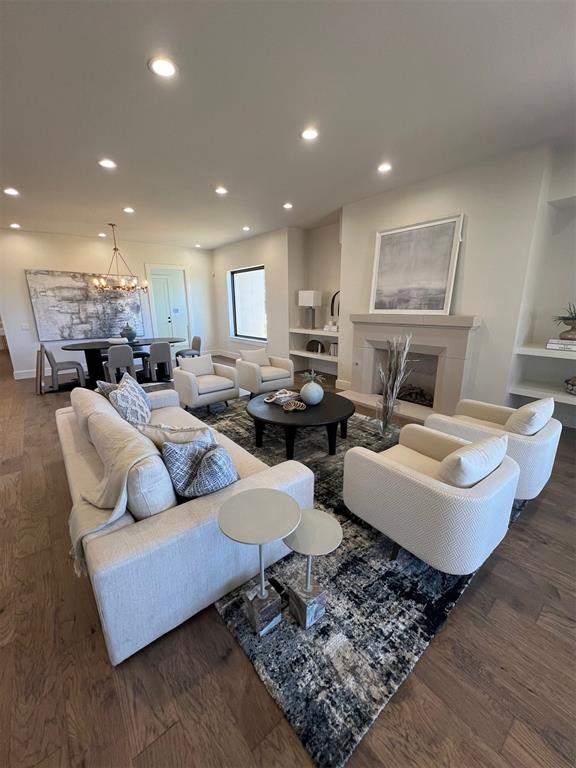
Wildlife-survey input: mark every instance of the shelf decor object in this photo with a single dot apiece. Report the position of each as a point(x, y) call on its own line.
point(569, 319)
point(414, 268)
point(116, 282)
point(311, 300)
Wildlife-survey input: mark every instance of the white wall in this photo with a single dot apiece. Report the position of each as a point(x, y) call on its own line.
point(271, 250)
point(28, 250)
point(500, 201)
point(322, 260)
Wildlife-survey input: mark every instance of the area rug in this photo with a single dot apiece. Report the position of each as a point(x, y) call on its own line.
point(334, 679)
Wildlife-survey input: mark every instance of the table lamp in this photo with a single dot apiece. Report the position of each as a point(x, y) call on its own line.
point(311, 300)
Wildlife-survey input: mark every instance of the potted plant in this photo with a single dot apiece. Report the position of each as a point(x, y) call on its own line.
point(393, 373)
point(312, 392)
point(569, 319)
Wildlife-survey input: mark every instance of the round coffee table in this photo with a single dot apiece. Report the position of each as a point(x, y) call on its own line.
point(259, 516)
point(319, 533)
point(333, 410)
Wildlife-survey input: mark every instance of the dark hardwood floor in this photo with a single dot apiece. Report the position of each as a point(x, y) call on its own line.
point(495, 689)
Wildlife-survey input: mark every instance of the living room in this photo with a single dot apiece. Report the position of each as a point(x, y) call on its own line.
point(287, 384)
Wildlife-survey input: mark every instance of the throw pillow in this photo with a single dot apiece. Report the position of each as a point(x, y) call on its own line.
point(183, 461)
point(164, 433)
point(531, 418)
point(216, 471)
point(131, 401)
point(258, 356)
point(199, 366)
point(468, 465)
point(105, 387)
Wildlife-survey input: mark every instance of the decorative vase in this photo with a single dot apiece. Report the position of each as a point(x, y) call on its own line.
point(570, 334)
point(128, 333)
point(312, 393)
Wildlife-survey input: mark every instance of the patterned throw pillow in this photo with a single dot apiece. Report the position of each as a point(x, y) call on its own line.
point(131, 401)
point(198, 467)
point(105, 387)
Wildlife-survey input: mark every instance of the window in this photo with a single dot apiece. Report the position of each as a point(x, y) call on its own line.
point(248, 300)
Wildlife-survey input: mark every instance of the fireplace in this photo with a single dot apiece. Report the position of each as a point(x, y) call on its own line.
point(440, 356)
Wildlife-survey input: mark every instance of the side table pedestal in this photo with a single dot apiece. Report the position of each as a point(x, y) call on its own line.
point(264, 613)
point(306, 606)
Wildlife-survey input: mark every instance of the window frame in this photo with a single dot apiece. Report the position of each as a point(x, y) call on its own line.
point(233, 273)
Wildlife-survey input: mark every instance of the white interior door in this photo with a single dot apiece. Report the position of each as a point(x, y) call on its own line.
point(170, 303)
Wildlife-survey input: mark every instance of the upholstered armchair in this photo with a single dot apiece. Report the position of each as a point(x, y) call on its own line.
point(404, 493)
point(199, 381)
point(534, 453)
point(259, 372)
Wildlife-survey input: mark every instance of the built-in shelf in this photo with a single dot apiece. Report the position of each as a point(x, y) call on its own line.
point(538, 390)
point(537, 350)
point(315, 332)
point(314, 355)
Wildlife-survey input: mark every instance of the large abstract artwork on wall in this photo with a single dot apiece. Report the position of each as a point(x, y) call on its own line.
point(414, 268)
point(67, 306)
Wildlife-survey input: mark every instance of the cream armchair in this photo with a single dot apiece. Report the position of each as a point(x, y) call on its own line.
point(258, 372)
point(453, 529)
point(534, 453)
point(199, 381)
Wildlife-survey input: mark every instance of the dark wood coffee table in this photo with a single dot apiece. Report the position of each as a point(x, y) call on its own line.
point(333, 410)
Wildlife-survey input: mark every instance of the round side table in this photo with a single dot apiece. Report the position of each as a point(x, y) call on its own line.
point(260, 516)
point(319, 533)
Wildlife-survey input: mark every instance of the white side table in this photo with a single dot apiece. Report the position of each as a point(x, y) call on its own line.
point(319, 533)
point(259, 516)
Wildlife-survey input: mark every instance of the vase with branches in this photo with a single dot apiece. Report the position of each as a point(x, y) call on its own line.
point(393, 373)
point(569, 319)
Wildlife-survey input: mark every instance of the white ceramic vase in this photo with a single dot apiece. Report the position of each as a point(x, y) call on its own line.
point(312, 393)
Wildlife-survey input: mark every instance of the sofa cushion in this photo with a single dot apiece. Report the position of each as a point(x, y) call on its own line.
point(149, 487)
point(258, 356)
point(212, 383)
point(85, 403)
point(271, 373)
point(246, 463)
point(199, 366)
point(472, 463)
point(131, 401)
point(164, 433)
point(531, 418)
point(199, 468)
point(407, 457)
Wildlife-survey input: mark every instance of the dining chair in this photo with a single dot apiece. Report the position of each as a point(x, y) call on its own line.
point(120, 356)
point(159, 354)
point(61, 366)
point(194, 350)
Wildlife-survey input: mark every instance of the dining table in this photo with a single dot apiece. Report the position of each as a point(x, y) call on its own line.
point(93, 349)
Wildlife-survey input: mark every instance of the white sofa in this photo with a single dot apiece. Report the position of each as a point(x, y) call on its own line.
point(534, 454)
point(452, 529)
point(150, 575)
point(259, 372)
point(199, 381)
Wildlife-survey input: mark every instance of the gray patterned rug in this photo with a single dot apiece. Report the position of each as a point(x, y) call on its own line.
point(334, 679)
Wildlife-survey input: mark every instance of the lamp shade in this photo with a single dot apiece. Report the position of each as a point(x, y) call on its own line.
point(309, 298)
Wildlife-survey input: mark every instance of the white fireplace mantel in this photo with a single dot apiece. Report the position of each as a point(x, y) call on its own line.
point(449, 337)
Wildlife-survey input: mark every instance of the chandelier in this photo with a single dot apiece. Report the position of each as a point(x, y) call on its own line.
point(115, 281)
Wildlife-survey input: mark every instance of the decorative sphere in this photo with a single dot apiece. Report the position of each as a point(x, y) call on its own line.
point(312, 393)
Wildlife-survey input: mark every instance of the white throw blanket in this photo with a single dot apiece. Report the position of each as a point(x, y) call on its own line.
point(106, 503)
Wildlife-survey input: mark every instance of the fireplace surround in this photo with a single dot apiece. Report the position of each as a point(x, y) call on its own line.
point(448, 338)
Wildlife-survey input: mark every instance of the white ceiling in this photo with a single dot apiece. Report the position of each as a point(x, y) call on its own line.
point(429, 86)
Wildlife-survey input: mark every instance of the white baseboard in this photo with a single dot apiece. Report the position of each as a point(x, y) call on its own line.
point(25, 374)
point(343, 384)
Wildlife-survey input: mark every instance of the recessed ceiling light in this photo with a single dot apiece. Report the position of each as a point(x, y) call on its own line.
point(101, 234)
point(287, 206)
point(107, 163)
point(162, 66)
point(309, 134)
point(14, 226)
point(197, 245)
point(128, 209)
point(245, 229)
point(11, 191)
point(384, 168)
point(221, 191)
